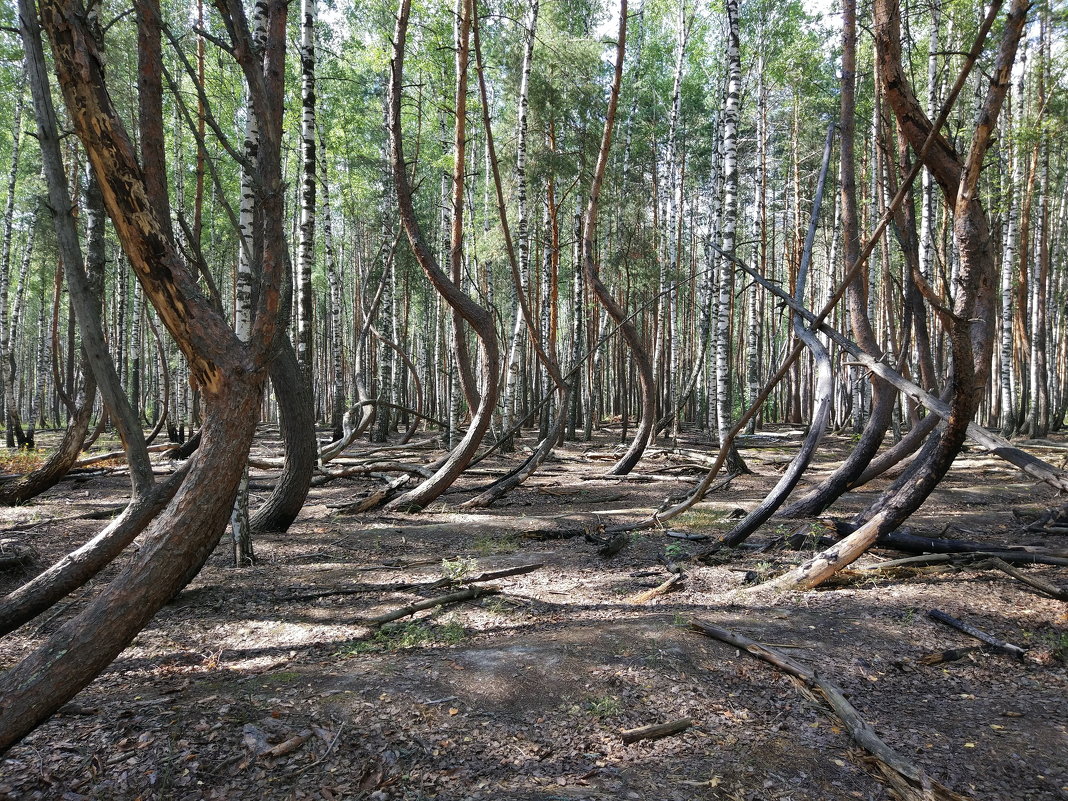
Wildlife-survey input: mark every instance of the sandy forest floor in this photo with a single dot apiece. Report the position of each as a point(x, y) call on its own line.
point(523, 694)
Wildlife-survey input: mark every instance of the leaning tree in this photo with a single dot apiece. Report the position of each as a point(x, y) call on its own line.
point(228, 372)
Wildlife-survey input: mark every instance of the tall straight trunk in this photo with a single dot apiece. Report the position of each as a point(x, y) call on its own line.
point(669, 262)
point(927, 213)
point(11, 423)
point(16, 327)
point(40, 396)
point(515, 351)
point(385, 393)
point(1007, 373)
point(728, 221)
point(761, 234)
point(306, 245)
point(249, 245)
point(333, 277)
point(578, 338)
point(1038, 414)
point(729, 227)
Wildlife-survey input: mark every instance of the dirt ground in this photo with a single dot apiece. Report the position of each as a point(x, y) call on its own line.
point(523, 693)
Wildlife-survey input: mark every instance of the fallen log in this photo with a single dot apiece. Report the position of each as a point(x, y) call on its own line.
point(1045, 587)
point(908, 780)
point(376, 498)
point(998, 645)
point(971, 558)
point(656, 731)
point(914, 543)
point(470, 594)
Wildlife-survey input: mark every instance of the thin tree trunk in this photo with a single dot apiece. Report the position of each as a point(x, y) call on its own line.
point(306, 244)
point(480, 320)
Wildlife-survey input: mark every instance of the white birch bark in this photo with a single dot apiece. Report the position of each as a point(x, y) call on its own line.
point(729, 221)
point(515, 352)
point(239, 521)
point(306, 242)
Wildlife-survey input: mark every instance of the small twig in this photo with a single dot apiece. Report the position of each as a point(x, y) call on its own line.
point(663, 589)
point(491, 575)
point(329, 748)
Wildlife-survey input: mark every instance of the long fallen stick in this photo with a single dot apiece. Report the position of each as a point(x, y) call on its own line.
point(908, 780)
point(491, 575)
point(972, 631)
point(429, 603)
point(1045, 587)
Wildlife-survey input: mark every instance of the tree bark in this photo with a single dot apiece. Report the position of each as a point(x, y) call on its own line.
point(970, 331)
point(229, 375)
point(480, 320)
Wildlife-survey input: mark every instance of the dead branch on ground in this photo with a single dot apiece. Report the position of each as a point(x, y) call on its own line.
point(910, 782)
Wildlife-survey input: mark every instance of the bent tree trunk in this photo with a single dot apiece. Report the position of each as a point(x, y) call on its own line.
point(184, 535)
point(824, 381)
point(548, 361)
point(970, 332)
point(883, 395)
point(80, 565)
point(296, 420)
point(480, 320)
point(49, 474)
point(229, 375)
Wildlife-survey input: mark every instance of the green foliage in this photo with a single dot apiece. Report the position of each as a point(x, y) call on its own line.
point(408, 635)
point(604, 706)
point(675, 550)
point(459, 568)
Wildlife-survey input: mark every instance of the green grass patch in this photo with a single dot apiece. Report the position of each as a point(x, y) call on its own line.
point(700, 521)
point(489, 545)
point(409, 635)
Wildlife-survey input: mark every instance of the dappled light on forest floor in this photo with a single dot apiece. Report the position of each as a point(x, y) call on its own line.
point(523, 693)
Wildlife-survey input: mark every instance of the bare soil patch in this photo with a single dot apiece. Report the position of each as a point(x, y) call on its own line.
point(522, 694)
